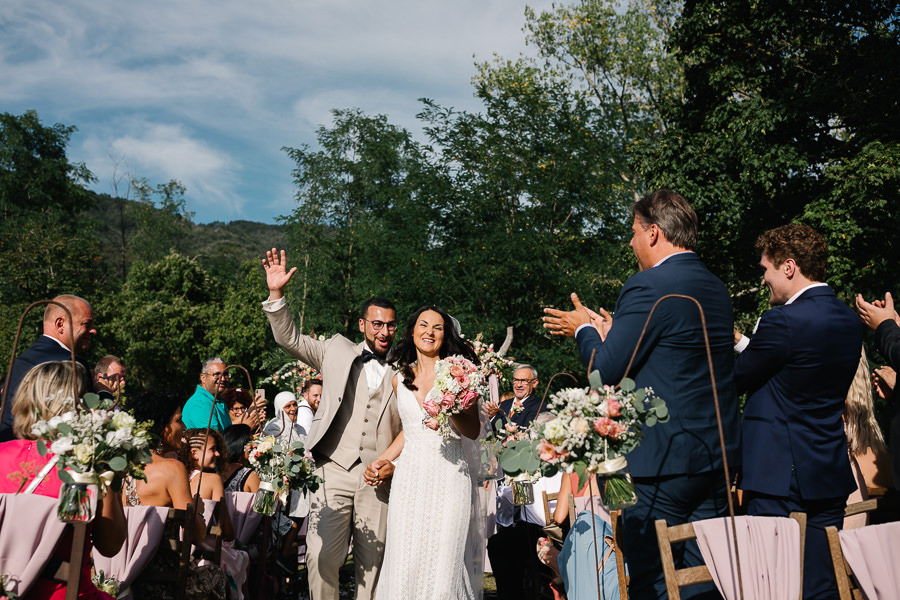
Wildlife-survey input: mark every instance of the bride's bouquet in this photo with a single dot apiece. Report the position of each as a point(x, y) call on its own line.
point(458, 385)
point(95, 449)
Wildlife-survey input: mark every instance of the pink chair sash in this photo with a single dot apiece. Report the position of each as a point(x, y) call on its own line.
point(145, 530)
point(769, 549)
point(583, 503)
point(244, 520)
point(873, 553)
point(29, 533)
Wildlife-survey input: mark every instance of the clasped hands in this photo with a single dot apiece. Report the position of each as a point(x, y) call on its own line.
point(378, 472)
point(566, 323)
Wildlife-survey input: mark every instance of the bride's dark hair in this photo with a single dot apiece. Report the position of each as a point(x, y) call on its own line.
point(403, 355)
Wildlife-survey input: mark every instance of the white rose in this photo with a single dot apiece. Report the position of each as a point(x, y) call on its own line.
point(62, 445)
point(122, 419)
point(555, 431)
point(580, 426)
point(84, 453)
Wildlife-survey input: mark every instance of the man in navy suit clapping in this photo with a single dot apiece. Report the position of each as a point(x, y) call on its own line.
point(797, 370)
point(677, 468)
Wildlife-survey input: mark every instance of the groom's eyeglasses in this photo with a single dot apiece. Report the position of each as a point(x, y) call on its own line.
point(378, 325)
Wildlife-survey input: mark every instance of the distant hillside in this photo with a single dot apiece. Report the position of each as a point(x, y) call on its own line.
point(129, 231)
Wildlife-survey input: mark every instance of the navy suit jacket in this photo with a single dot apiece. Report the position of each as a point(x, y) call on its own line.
point(529, 412)
point(672, 360)
point(45, 349)
point(797, 370)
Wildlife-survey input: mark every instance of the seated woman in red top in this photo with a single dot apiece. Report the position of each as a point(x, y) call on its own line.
point(45, 392)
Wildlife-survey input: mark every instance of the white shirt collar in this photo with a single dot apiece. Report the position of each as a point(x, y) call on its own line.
point(665, 258)
point(797, 295)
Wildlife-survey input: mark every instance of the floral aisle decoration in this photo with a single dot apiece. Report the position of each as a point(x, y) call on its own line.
point(292, 376)
point(493, 363)
point(458, 385)
point(94, 450)
point(514, 449)
point(281, 468)
point(106, 584)
point(593, 430)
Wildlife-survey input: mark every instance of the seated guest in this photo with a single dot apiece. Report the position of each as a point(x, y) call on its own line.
point(206, 406)
point(864, 437)
point(284, 425)
point(45, 392)
point(239, 404)
point(109, 377)
point(524, 406)
point(167, 480)
point(204, 454)
point(238, 475)
point(312, 393)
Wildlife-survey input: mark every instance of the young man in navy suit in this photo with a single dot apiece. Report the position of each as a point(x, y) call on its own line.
point(59, 332)
point(677, 468)
point(797, 369)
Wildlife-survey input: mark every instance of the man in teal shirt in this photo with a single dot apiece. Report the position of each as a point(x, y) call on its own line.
point(195, 413)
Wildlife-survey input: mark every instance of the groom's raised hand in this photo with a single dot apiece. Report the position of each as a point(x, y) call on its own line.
point(566, 322)
point(277, 274)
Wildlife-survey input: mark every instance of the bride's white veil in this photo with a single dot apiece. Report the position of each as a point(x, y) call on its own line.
point(476, 539)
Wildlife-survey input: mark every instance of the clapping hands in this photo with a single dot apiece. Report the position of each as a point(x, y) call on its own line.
point(567, 322)
point(877, 312)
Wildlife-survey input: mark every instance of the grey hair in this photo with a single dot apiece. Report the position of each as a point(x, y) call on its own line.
point(534, 373)
point(211, 361)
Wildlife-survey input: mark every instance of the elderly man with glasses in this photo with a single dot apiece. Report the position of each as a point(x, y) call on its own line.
point(207, 398)
point(524, 406)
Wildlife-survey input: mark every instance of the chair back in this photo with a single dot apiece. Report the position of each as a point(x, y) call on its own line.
point(146, 525)
point(865, 559)
point(770, 556)
point(29, 536)
point(243, 517)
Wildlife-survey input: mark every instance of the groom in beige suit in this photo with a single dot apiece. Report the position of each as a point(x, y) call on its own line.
point(354, 429)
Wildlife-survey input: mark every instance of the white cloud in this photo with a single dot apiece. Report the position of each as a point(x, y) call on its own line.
point(194, 90)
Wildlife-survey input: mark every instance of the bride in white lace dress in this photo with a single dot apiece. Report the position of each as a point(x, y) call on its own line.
point(430, 552)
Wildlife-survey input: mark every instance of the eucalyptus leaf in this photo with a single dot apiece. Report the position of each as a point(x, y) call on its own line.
point(657, 402)
point(651, 420)
point(640, 394)
point(117, 463)
point(64, 476)
point(595, 380)
point(64, 428)
point(91, 400)
point(627, 384)
point(42, 448)
point(662, 413)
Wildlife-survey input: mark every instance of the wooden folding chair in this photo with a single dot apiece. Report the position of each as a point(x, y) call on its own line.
point(615, 519)
point(679, 578)
point(848, 589)
point(69, 571)
point(548, 498)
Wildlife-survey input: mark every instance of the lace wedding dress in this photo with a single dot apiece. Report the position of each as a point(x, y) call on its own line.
point(429, 515)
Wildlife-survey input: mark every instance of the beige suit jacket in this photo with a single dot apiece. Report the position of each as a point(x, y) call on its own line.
point(343, 379)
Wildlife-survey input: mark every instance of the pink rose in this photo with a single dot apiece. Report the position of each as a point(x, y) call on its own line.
point(511, 427)
point(468, 399)
point(431, 424)
point(457, 371)
point(463, 381)
point(604, 426)
point(613, 407)
point(546, 451)
point(431, 408)
point(448, 400)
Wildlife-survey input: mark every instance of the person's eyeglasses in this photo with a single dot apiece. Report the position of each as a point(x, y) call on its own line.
point(238, 410)
point(378, 325)
point(219, 375)
point(523, 380)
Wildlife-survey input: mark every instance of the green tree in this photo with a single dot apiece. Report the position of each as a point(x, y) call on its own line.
point(161, 320)
point(790, 113)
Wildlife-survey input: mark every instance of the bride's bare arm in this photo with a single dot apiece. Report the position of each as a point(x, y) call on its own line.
point(467, 423)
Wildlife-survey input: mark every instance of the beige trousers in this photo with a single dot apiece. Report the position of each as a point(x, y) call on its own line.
point(343, 506)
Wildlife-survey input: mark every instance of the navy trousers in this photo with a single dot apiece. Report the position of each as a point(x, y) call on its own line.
point(676, 499)
point(818, 571)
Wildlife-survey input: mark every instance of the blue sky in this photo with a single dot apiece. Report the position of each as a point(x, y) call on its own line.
point(207, 92)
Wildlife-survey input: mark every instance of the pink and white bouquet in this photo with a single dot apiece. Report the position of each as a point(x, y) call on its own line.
point(594, 428)
point(458, 385)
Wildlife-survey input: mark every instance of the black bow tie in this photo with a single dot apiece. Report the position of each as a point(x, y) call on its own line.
point(368, 355)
